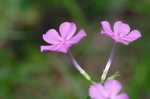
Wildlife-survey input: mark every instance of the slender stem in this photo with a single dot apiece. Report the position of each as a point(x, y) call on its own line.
point(79, 68)
point(109, 62)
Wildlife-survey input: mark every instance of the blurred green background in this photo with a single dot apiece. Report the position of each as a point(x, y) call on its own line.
point(26, 73)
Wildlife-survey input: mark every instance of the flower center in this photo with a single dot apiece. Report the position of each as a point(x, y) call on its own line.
point(62, 41)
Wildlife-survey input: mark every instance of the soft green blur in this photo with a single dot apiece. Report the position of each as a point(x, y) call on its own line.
point(26, 73)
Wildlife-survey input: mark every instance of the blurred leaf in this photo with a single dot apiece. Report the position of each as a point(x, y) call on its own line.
point(88, 97)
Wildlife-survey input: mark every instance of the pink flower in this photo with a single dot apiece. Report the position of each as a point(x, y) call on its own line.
point(62, 42)
point(120, 33)
point(110, 90)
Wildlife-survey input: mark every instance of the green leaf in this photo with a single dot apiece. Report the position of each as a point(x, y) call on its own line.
point(114, 76)
point(88, 97)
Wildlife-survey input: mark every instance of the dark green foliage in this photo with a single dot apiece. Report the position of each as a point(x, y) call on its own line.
point(88, 97)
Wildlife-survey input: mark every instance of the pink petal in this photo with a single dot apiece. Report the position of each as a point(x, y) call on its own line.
point(134, 35)
point(49, 47)
point(51, 36)
point(106, 28)
point(112, 87)
point(121, 29)
point(63, 48)
point(121, 96)
point(97, 91)
point(123, 42)
point(67, 30)
point(81, 34)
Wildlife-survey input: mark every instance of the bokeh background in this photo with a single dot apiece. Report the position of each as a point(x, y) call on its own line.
point(26, 73)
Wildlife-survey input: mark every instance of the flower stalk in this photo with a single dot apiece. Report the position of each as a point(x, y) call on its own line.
point(109, 62)
point(79, 68)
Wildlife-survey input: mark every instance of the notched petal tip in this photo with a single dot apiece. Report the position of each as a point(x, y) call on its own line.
point(67, 29)
point(121, 29)
point(106, 28)
point(118, 22)
point(82, 31)
point(137, 33)
point(51, 36)
point(103, 22)
point(132, 36)
point(42, 48)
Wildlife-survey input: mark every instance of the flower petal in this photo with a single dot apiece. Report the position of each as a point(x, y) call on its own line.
point(63, 48)
point(121, 96)
point(51, 36)
point(122, 41)
point(121, 29)
point(67, 30)
point(134, 35)
point(106, 28)
point(81, 34)
point(97, 91)
point(112, 87)
point(49, 48)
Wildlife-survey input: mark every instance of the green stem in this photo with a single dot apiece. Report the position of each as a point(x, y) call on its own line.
point(79, 68)
point(109, 62)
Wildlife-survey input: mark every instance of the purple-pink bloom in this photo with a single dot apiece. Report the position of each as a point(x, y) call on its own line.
point(110, 90)
point(62, 41)
point(120, 33)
